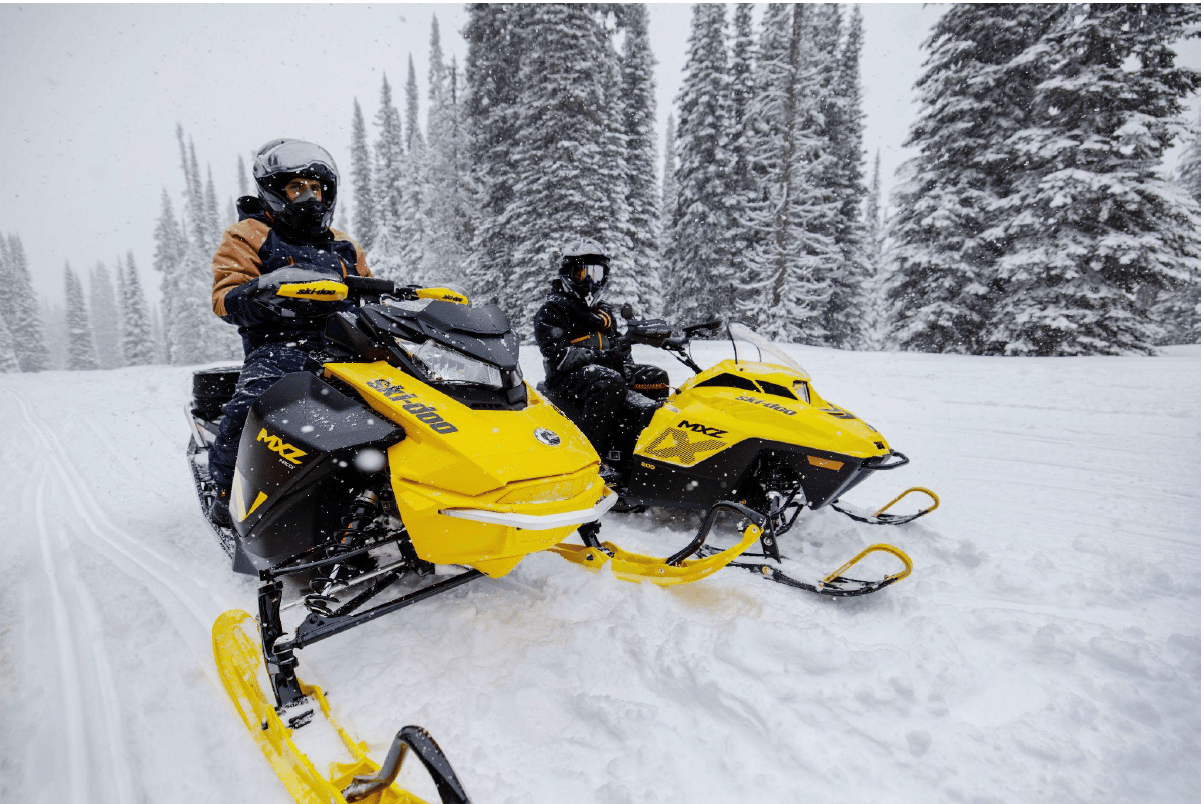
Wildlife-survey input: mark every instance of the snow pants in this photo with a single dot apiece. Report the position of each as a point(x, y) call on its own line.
point(609, 414)
point(260, 371)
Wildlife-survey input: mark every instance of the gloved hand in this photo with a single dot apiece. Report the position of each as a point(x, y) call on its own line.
point(576, 357)
point(298, 292)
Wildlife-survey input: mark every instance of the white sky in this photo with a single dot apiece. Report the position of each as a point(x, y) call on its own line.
point(91, 95)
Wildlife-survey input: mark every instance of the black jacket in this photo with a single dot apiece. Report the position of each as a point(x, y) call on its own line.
point(572, 336)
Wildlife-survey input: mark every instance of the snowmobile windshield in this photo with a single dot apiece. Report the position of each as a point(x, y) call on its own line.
point(448, 365)
point(766, 350)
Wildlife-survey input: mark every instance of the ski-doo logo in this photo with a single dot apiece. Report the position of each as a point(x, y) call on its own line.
point(699, 428)
point(422, 412)
point(315, 291)
point(286, 451)
point(770, 405)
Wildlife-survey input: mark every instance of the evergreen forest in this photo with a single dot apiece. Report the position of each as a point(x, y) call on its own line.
point(1040, 216)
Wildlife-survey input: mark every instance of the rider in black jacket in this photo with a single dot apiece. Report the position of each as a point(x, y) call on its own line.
point(587, 364)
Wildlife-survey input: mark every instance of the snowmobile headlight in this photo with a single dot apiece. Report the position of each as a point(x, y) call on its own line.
point(448, 365)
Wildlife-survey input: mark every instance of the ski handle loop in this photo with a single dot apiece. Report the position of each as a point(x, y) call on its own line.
point(876, 548)
point(700, 538)
point(429, 754)
point(936, 501)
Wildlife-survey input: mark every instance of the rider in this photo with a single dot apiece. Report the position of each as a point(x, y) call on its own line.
point(287, 225)
point(585, 361)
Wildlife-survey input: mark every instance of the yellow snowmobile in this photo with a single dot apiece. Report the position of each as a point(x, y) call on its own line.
point(420, 460)
point(754, 430)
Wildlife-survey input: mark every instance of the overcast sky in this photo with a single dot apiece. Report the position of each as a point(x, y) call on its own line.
point(91, 95)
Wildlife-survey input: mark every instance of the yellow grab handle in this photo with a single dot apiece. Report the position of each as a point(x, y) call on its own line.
point(876, 548)
point(320, 290)
point(932, 495)
point(442, 294)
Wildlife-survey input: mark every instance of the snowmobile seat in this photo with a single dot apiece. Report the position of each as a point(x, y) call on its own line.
point(212, 388)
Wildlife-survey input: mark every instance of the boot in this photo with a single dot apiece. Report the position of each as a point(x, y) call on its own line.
point(219, 509)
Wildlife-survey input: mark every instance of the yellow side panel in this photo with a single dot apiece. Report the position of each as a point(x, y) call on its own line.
point(450, 446)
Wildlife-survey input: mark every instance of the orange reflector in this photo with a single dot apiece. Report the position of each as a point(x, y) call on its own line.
point(824, 463)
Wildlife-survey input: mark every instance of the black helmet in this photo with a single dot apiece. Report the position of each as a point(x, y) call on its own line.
point(584, 269)
point(280, 161)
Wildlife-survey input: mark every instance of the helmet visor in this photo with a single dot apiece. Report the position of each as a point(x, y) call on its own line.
point(593, 272)
point(299, 157)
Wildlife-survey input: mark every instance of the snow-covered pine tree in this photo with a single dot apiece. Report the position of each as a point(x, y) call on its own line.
point(24, 320)
point(212, 222)
point(699, 261)
point(1093, 228)
point(388, 247)
point(448, 190)
point(137, 344)
point(793, 220)
point(364, 219)
point(974, 97)
point(54, 327)
point(492, 76)
point(81, 351)
point(845, 316)
point(169, 251)
point(614, 227)
point(1178, 307)
point(874, 289)
point(744, 188)
point(106, 324)
point(412, 227)
point(8, 354)
point(561, 148)
point(668, 190)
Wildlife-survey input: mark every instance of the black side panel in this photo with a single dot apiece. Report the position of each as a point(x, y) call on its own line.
point(295, 471)
point(720, 477)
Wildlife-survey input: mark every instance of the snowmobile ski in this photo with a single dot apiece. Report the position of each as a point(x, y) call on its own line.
point(678, 568)
point(880, 517)
point(836, 584)
point(357, 777)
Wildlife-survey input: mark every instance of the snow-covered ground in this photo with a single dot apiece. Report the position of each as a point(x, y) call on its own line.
point(1045, 649)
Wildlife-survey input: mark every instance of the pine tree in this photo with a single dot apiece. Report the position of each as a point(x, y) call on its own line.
point(412, 226)
point(388, 247)
point(845, 316)
point(975, 96)
point(699, 261)
point(638, 116)
point(105, 318)
point(8, 353)
point(668, 187)
point(561, 147)
point(492, 75)
point(24, 321)
point(744, 189)
point(1093, 229)
point(81, 353)
point(364, 220)
point(793, 221)
point(212, 222)
point(137, 344)
point(873, 291)
point(1178, 306)
point(448, 200)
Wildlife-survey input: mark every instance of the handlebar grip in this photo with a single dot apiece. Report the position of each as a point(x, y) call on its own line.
point(370, 285)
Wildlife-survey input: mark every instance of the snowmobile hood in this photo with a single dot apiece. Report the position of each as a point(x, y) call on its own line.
point(450, 446)
point(480, 332)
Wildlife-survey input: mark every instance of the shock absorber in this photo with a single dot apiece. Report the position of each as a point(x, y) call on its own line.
point(364, 509)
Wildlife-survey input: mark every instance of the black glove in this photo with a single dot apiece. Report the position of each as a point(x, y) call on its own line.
point(298, 292)
point(576, 357)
